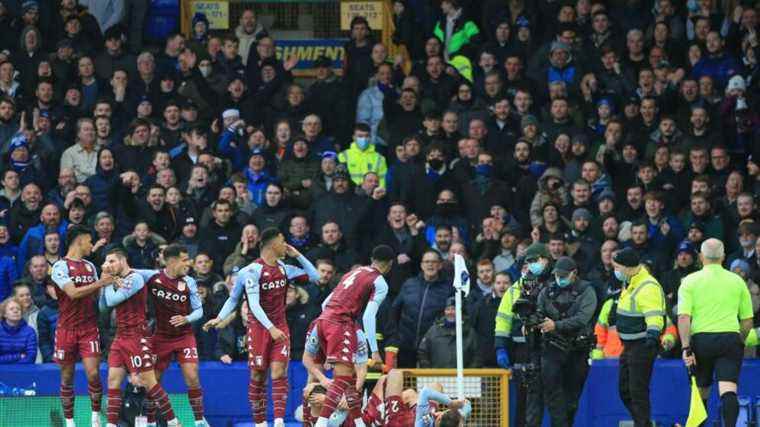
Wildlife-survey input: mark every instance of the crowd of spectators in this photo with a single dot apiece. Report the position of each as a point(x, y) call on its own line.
point(586, 125)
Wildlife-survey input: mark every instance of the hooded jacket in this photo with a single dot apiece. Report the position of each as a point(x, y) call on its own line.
point(103, 188)
point(545, 195)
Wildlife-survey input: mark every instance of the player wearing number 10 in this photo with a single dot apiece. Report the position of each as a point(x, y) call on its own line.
point(130, 348)
point(362, 290)
point(77, 332)
point(265, 282)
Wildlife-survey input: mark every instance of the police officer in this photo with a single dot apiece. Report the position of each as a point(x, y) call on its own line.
point(714, 319)
point(640, 320)
point(511, 343)
point(568, 306)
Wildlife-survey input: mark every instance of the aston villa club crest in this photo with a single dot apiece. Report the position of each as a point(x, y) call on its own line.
point(282, 270)
point(181, 285)
point(88, 267)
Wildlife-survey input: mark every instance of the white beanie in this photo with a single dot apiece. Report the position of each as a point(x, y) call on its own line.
point(736, 83)
point(232, 112)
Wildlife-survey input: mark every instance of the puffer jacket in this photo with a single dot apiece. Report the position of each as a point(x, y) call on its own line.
point(544, 196)
point(18, 344)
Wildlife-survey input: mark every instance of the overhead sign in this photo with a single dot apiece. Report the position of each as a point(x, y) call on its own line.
point(371, 10)
point(308, 51)
point(217, 13)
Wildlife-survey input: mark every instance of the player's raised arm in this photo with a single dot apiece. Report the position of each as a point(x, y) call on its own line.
point(370, 312)
point(121, 292)
point(229, 306)
point(307, 269)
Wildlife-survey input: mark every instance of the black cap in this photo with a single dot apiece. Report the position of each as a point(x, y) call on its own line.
point(114, 33)
point(64, 43)
point(323, 61)
point(451, 302)
point(698, 225)
point(341, 174)
point(383, 253)
point(564, 265)
point(627, 257)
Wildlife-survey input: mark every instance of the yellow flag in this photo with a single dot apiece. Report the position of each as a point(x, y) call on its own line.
point(697, 411)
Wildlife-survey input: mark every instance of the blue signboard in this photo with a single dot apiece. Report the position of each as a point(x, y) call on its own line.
point(308, 51)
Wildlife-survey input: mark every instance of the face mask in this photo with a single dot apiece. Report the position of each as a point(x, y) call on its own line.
point(436, 164)
point(205, 71)
point(362, 142)
point(620, 276)
point(484, 170)
point(746, 243)
point(536, 268)
point(562, 282)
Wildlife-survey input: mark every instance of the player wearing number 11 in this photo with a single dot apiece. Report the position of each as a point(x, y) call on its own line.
point(265, 282)
point(77, 332)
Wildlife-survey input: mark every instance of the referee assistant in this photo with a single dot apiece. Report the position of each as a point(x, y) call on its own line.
point(714, 318)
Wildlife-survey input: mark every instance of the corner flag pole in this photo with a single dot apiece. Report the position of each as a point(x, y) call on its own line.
point(461, 284)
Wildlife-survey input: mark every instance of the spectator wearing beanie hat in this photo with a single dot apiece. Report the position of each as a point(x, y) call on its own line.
point(685, 264)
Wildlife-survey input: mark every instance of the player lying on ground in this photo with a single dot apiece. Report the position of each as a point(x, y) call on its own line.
point(359, 293)
point(265, 282)
point(77, 288)
point(407, 408)
point(130, 349)
point(175, 298)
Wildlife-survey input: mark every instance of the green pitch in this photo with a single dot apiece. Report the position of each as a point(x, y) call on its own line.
point(46, 411)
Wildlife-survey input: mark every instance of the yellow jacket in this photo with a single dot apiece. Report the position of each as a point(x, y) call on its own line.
point(641, 308)
point(507, 327)
point(360, 162)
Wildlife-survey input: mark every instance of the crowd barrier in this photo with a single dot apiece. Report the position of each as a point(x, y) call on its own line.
point(225, 390)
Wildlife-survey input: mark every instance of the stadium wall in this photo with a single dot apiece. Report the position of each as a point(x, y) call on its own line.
point(225, 388)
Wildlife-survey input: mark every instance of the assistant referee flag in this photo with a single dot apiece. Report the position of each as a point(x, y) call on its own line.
point(697, 411)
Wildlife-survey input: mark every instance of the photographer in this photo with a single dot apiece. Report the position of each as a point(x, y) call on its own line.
point(568, 306)
point(510, 341)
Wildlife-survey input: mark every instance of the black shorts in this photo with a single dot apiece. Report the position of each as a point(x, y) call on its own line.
point(719, 355)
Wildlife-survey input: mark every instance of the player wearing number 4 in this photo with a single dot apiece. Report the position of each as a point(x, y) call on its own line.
point(265, 282)
point(77, 332)
point(361, 290)
point(177, 304)
point(130, 349)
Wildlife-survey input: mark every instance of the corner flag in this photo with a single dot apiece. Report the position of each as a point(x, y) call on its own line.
point(697, 411)
point(461, 275)
point(462, 285)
